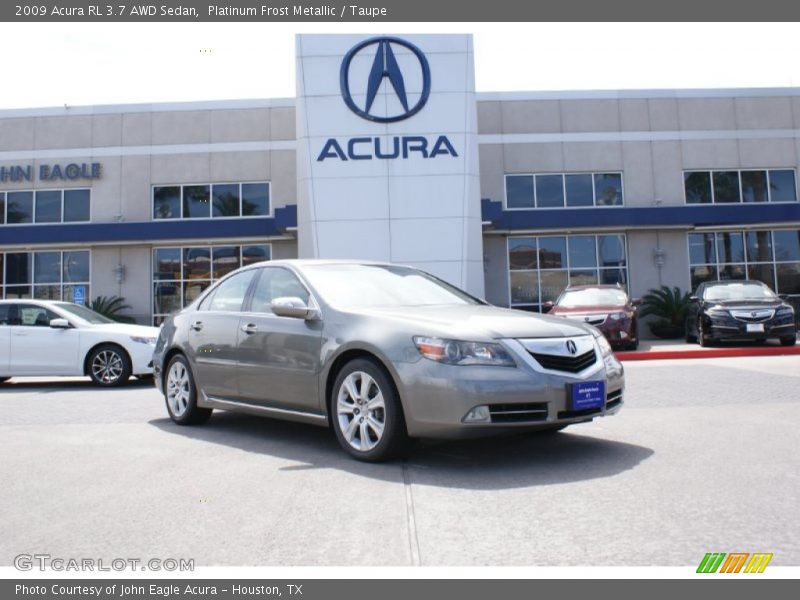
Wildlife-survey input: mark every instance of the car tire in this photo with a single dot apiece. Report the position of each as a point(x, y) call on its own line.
point(180, 393)
point(550, 429)
point(702, 338)
point(109, 366)
point(789, 340)
point(366, 413)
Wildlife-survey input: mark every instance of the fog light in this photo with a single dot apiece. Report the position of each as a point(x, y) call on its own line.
point(479, 414)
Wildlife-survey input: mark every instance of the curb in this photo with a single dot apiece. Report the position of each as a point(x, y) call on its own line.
point(707, 353)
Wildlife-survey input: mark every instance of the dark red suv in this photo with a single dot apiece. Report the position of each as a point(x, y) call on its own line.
point(607, 307)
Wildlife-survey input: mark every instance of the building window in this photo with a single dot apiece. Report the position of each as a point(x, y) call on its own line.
point(45, 206)
point(542, 266)
point(181, 274)
point(557, 190)
point(45, 275)
point(751, 185)
point(212, 200)
point(772, 257)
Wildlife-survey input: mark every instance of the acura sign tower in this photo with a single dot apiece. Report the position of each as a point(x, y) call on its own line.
point(387, 156)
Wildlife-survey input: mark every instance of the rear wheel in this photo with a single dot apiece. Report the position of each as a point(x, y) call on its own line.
point(789, 340)
point(109, 366)
point(180, 393)
point(366, 413)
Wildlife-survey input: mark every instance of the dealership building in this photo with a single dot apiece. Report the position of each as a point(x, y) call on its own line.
point(387, 153)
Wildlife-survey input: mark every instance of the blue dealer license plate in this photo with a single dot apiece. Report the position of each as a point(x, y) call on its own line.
point(588, 394)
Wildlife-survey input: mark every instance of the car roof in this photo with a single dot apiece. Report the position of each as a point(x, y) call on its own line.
point(733, 282)
point(604, 286)
point(32, 301)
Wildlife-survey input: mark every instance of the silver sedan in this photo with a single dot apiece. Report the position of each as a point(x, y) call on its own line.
point(380, 353)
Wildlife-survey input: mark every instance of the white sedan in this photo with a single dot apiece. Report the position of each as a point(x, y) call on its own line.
point(45, 338)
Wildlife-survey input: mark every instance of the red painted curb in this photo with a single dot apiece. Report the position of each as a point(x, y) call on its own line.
point(707, 353)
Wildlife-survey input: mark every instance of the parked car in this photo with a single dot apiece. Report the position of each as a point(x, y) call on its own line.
point(45, 338)
point(380, 353)
point(607, 307)
point(738, 310)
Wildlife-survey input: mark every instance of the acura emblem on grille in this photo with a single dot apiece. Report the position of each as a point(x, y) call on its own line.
point(754, 314)
point(571, 347)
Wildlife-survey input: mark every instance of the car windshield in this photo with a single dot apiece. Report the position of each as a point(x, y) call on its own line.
point(738, 291)
point(84, 314)
point(593, 297)
point(365, 286)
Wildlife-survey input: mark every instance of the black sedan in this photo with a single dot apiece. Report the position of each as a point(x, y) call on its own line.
point(738, 310)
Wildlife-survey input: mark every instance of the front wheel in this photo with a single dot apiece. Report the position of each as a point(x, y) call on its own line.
point(702, 337)
point(789, 340)
point(109, 366)
point(180, 394)
point(366, 413)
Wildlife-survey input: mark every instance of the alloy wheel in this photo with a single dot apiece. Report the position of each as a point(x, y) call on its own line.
point(178, 389)
point(361, 411)
point(107, 366)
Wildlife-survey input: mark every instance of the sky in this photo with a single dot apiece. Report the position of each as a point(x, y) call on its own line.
point(51, 64)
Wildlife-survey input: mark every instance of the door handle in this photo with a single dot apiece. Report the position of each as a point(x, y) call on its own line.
point(197, 325)
point(250, 328)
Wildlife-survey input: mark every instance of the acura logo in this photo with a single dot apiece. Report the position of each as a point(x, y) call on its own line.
point(754, 314)
point(384, 66)
point(571, 347)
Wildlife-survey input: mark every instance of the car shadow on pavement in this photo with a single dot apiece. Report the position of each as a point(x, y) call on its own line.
point(36, 384)
point(501, 462)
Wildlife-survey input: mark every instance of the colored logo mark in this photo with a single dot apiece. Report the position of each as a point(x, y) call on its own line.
point(385, 67)
point(735, 562)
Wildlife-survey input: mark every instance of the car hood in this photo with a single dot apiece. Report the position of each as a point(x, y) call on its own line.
point(742, 304)
point(588, 310)
point(480, 321)
point(126, 329)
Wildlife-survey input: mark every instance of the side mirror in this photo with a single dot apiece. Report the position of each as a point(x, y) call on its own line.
point(549, 304)
point(291, 306)
point(694, 299)
point(783, 297)
point(636, 302)
point(59, 324)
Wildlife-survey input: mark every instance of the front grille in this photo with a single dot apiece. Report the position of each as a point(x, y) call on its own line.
point(753, 316)
point(591, 319)
point(614, 398)
point(570, 364)
point(518, 413)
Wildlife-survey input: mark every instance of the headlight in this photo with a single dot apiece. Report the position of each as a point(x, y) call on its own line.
point(605, 347)
point(144, 340)
point(717, 311)
point(784, 311)
point(457, 352)
point(618, 316)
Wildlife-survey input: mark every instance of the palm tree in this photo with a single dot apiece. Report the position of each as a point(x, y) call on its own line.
point(669, 306)
point(111, 307)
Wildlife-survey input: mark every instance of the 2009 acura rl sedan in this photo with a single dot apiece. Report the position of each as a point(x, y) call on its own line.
point(379, 352)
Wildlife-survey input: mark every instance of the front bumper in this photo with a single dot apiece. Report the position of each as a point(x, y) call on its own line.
point(437, 397)
point(725, 327)
point(141, 358)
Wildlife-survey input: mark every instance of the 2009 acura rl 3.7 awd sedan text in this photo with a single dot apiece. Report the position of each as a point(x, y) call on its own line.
point(380, 353)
